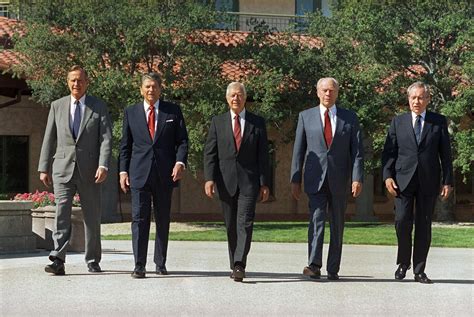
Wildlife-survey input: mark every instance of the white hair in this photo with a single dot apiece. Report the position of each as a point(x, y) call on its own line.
point(320, 81)
point(236, 84)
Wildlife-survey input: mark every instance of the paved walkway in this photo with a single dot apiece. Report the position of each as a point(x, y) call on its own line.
point(199, 284)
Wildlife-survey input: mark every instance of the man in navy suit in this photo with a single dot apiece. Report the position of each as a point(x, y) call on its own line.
point(236, 164)
point(328, 142)
point(417, 142)
point(153, 154)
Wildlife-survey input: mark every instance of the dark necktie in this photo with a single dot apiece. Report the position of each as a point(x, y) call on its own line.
point(327, 129)
point(151, 122)
point(76, 124)
point(418, 129)
point(237, 131)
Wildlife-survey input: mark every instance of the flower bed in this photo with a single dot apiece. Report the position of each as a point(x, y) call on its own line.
point(43, 199)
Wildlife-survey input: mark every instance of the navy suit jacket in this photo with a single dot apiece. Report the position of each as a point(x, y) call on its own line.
point(402, 156)
point(138, 150)
point(343, 161)
point(247, 169)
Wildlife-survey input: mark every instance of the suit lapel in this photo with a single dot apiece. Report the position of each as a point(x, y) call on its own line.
point(426, 126)
point(339, 125)
point(88, 110)
point(65, 115)
point(316, 117)
point(140, 117)
point(162, 116)
point(407, 125)
point(228, 134)
point(248, 128)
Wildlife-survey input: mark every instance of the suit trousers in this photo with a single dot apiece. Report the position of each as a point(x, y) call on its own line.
point(323, 204)
point(422, 216)
point(89, 193)
point(239, 215)
point(153, 190)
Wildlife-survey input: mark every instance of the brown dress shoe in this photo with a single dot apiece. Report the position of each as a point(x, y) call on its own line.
point(313, 271)
point(239, 273)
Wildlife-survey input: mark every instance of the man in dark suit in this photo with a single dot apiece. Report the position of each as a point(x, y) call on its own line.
point(328, 143)
point(236, 163)
point(153, 154)
point(416, 144)
point(76, 149)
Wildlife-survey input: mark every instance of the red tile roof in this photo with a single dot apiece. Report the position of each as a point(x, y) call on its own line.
point(234, 70)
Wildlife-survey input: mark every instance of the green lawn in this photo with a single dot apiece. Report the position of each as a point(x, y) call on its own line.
point(354, 233)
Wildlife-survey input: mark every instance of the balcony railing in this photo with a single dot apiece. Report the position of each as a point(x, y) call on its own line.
point(240, 21)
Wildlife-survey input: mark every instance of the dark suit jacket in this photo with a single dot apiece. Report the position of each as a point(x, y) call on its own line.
point(342, 162)
point(137, 149)
point(402, 156)
point(246, 169)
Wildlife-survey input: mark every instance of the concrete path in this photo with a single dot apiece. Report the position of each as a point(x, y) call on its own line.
point(199, 284)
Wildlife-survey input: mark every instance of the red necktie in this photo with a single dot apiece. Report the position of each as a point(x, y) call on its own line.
point(151, 122)
point(327, 129)
point(237, 136)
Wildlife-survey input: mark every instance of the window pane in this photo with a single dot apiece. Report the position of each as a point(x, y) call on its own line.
point(13, 164)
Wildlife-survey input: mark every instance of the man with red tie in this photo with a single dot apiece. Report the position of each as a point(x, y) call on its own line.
point(328, 143)
point(236, 164)
point(153, 154)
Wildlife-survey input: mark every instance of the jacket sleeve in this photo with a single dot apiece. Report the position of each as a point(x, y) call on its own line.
point(445, 154)
point(263, 159)
point(211, 159)
point(181, 140)
point(299, 151)
point(49, 142)
point(390, 152)
point(357, 152)
point(125, 145)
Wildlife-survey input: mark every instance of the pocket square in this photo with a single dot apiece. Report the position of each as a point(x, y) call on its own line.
point(170, 120)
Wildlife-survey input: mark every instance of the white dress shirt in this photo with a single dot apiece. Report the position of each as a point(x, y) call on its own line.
point(332, 116)
point(422, 119)
point(241, 119)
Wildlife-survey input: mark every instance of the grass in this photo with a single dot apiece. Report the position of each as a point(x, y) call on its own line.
point(290, 232)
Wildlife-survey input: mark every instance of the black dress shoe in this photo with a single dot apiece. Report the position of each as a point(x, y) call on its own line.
point(239, 273)
point(139, 271)
point(313, 271)
point(57, 267)
point(333, 276)
point(161, 270)
point(422, 278)
point(401, 272)
point(94, 267)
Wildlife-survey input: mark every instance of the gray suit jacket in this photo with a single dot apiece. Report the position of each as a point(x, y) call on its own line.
point(342, 162)
point(91, 149)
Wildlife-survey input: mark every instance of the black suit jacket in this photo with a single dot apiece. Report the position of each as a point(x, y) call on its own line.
point(402, 156)
point(247, 169)
point(137, 148)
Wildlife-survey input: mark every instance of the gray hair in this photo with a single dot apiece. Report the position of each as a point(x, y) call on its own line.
point(419, 84)
point(236, 84)
point(320, 81)
point(152, 76)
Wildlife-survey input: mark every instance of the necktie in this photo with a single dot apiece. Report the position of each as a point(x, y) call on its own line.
point(237, 132)
point(76, 124)
point(151, 122)
point(418, 129)
point(327, 129)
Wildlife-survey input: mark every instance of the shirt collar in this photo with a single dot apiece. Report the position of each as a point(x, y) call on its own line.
point(241, 114)
point(146, 105)
point(332, 110)
point(82, 100)
point(413, 115)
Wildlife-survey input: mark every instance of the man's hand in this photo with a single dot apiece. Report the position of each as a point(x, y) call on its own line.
point(296, 190)
point(264, 193)
point(100, 175)
point(45, 178)
point(177, 172)
point(356, 189)
point(209, 189)
point(124, 182)
point(445, 191)
point(391, 186)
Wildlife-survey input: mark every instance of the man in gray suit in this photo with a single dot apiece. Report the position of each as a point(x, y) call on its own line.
point(328, 143)
point(75, 157)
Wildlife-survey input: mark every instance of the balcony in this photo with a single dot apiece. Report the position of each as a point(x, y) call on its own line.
point(242, 21)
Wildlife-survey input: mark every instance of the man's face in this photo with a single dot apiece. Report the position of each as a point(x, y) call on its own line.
point(77, 83)
point(327, 93)
point(236, 100)
point(418, 100)
point(151, 91)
